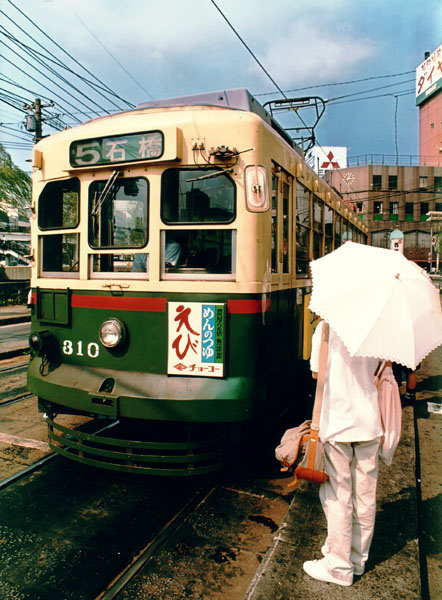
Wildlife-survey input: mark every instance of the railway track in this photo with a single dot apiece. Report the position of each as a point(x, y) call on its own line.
point(103, 534)
point(13, 383)
point(127, 574)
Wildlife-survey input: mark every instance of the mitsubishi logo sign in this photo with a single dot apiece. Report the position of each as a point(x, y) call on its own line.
point(330, 164)
point(322, 158)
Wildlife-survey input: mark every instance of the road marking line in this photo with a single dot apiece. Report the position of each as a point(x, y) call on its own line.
point(24, 442)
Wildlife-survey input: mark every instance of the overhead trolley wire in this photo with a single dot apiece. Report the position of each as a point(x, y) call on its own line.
point(257, 61)
point(265, 70)
point(108, 89)
point(248, 49)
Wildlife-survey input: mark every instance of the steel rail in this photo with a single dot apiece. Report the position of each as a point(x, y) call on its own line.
point(40, 463)
point(16, 399)
point(14, 367)
point(143, 557)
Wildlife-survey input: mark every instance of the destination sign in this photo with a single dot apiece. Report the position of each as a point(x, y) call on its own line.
point(116, 149)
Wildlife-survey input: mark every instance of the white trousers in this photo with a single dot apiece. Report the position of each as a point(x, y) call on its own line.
point(348, 499)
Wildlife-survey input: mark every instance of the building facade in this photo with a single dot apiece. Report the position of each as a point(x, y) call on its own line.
point(429, 102)
point(389, 198)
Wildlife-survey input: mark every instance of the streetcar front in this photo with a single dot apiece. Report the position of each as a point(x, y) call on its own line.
point(151, 283)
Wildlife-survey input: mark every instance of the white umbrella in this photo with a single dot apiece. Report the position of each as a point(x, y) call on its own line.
point(379, 303)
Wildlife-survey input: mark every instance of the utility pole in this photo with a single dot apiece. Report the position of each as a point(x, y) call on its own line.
point(34, 122)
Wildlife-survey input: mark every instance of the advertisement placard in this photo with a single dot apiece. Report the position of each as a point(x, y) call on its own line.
point(196, 339)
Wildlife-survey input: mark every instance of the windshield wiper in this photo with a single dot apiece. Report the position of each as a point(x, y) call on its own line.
point(106, 191)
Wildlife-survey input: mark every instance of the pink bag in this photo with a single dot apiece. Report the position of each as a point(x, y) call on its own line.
point(390, 408)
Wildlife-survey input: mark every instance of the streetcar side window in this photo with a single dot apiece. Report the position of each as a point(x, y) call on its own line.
point(198, 254)
point(122, 266)
point(338, 230)
point(58, 204)
point(197, 196)
point(328, 229)
point(318, 226)
point(275, 181)
point(59, 255)
point(118, 213)
point(344, 230)
point(303, 226)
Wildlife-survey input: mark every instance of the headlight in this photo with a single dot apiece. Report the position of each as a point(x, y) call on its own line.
point(42, 343)
point(112, 333)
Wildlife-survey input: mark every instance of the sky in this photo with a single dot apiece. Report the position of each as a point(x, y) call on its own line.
point(145, 49)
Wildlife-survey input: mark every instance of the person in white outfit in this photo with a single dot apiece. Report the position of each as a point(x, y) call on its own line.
point(350, 429)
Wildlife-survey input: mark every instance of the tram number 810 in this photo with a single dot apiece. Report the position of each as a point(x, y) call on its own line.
point(92, 349)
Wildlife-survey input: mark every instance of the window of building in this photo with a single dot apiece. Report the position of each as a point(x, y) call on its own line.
point(118, 213)
point(438, 184)
point(377, 183)
point(409, 211)
point(392, 182)
point(197, 196)
point(438, 206)
point(380, 239)
point(378, 213)
point(424, 208)
point(423, 239)
point(422, 182)
point(394, 211)
point(58, 204)
point(417, 240)
point(410, 240)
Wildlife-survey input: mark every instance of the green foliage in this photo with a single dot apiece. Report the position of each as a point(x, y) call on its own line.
point(15, 184)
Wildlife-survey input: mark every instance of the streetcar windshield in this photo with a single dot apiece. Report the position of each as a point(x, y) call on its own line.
point(118, 213)
point(58, 204)
point(197, 196)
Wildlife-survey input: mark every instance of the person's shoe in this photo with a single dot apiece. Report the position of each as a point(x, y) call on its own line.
point(356, 570)
point(318, 570)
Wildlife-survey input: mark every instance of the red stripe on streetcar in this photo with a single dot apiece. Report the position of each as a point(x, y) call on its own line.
point(120, 303)
point(247, 307)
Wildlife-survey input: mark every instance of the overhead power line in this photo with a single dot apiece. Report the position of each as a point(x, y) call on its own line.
point(49, 56)
point(321, 85)
point(109, 90)
point(52, 71)
point(110, 53)
point(382, 87)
